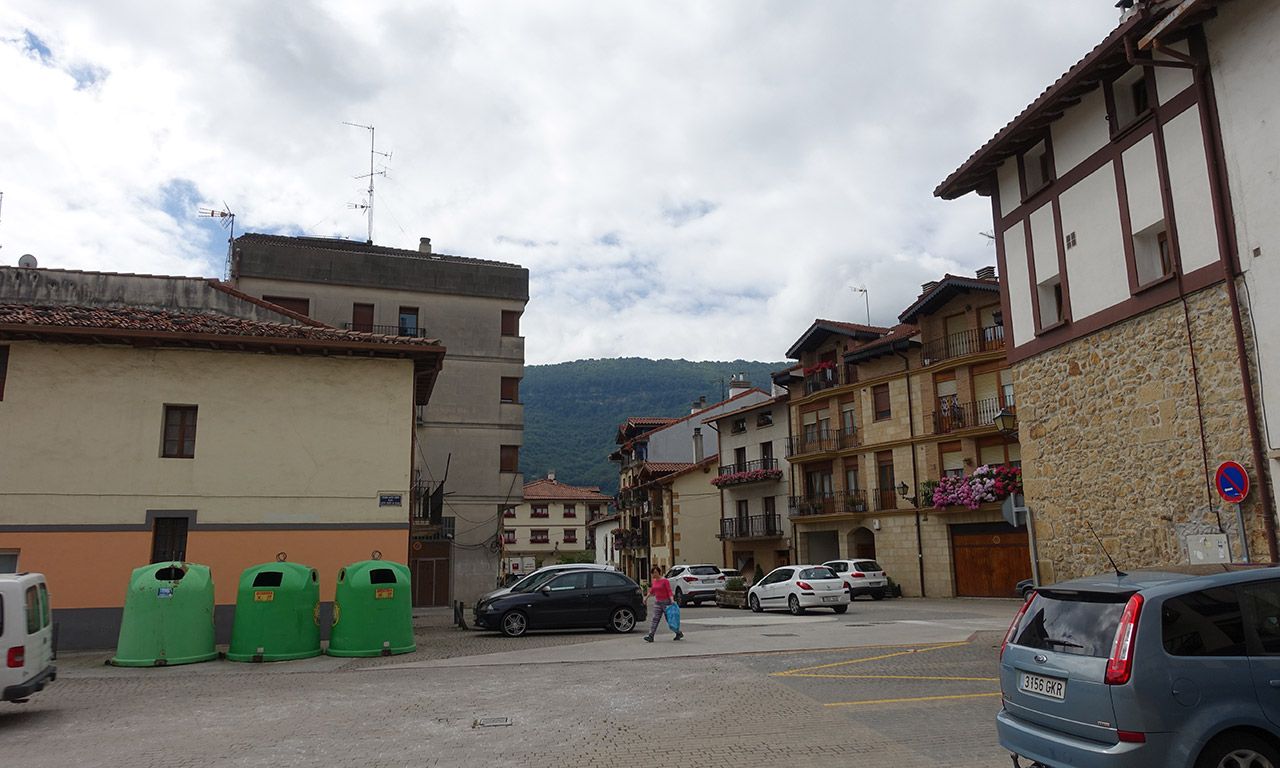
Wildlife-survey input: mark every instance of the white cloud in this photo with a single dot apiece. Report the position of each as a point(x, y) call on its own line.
point(682, 180)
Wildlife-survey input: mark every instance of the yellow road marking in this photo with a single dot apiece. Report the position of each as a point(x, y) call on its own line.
point(920, 698)
point(916, 649)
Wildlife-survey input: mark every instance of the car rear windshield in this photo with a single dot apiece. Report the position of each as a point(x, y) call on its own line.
point(704, 570)
point(867, 565)
point(818, 573)
point(1080, 623)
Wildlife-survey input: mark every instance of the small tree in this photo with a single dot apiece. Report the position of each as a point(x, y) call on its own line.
point(759, 574)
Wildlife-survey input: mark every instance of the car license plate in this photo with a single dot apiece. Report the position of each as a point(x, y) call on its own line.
point(708, 581)
point(1045, 686)
point(831, 599)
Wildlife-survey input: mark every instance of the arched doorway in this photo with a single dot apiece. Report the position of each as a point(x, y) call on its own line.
point(862, 544)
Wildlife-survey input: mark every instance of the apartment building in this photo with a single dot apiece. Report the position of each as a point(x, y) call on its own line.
point(880, 416)
point(1134, 220)
point(469, 436)
point(753, 486)
point(550, 522)
point(149, 419)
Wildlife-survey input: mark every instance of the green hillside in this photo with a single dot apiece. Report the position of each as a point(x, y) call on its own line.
point(572, 410)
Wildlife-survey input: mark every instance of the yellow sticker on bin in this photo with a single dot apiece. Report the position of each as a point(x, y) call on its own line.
point(264, 597)
point(384, 594)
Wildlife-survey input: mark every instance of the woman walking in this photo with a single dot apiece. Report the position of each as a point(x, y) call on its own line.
point(660, 588)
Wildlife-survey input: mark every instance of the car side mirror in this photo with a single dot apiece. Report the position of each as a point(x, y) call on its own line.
point(546, 589)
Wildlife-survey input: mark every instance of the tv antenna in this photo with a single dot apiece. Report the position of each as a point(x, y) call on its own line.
point(373, 154)
point(862, 289)
point(228, 221)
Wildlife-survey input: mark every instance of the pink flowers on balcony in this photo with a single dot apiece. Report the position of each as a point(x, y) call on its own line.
point(986, 484)
point(826, 365)
point(750, 476)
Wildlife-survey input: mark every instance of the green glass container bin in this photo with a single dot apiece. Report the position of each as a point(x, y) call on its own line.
point(168, 616)
point(277, 613)
point(372, 610)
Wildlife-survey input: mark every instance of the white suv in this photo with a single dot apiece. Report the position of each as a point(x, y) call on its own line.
point(695, 583)
point(26, 636)
point(865, 577)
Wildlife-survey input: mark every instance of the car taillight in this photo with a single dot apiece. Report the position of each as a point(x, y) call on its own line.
point(1120, 664)
point(1013, 628)
point(846, 585)
point(17, 655)
point(722, 577)
point(856, 575)
point(803, 585)
point(690, 579)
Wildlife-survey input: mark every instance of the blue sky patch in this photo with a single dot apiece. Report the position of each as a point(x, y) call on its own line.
point(87, 76)
point(36, 48)
point(610, 239)
point(679, 216)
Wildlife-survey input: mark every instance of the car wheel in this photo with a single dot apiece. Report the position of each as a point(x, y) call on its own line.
point(877, 595)
point(755, 604)
point(793, 605)
point(514, 624)
point(839, 608)
point(679, 598)
point(1239, 750)
point(622, 620)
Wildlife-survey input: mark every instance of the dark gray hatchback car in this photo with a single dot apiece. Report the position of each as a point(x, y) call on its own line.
point(1173, 668)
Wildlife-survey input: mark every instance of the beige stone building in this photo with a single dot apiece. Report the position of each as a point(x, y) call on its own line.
point(469, 436)
point(1131, 220)
point(149, 419)
point(685, 529)
point(550, 522)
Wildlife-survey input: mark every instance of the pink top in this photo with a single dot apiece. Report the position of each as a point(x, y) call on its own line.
point(660, 589)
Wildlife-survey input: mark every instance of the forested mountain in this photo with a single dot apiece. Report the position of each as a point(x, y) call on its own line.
point(572, 410)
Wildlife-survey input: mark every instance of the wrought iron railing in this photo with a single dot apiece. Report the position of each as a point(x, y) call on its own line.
point(753, 527)
point(836, 376)
point(952, 416)
point(747, 466)
point(812, 504)
point(989, 339)
point(819, 441)
point(884, 498)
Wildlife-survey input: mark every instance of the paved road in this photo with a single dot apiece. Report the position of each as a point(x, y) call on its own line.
point(893, 683)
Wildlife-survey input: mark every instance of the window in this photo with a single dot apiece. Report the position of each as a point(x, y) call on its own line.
point(8, 561)
point(33, 612)
point(509, 512)
point(770, 506)
point(510, 323)
point(607, 579)
point(510, 389)
point(1037, 168)
point(951, 459)
point(884, 474)
point(408, 321)
point(509, 458)
point(1205, 623)
point(179, 432)
point(766, 454)
point(1050, 295)
point(291, 303)
point(743, 509)
point(739, 425)
point(362, 317)
point(569, 581)
point(849, 418)
point(764, 419)
point(508, 536)
point(1152, 254)
point(537, 536)
point(1129, 98)
point(740, 459)
point(570, 535)
point(169, 539)
point(593, 511)
point(4, 368)
point(851, 480)
point(540, 510)
point(880, 396)
point(1263, 599)
point(570, 510)
point(994, 451)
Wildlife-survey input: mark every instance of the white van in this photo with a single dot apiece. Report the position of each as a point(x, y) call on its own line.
point(26, 636)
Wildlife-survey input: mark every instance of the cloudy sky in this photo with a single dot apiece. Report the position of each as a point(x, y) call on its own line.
point(692, 180)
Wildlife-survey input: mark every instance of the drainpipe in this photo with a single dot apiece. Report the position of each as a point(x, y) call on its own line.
point(915, 484)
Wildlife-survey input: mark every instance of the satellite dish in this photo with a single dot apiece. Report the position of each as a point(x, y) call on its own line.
point(27, 260)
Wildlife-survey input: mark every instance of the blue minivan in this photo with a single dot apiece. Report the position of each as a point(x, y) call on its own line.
point(1177, 668)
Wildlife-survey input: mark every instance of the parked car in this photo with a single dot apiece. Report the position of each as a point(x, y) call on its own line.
point(731, 573)
point(1177, 667)
point(865, 577)
point(540, 575)
point(797, 587)
point(695, 583)
point(563, 600)
point(1025, 588)
point(26, 636)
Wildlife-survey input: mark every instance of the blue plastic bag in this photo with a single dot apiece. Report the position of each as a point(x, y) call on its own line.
point(673, 617)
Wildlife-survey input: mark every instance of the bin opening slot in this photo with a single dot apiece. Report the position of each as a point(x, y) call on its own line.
point(268, 579)
point(382, 576)
point(170, 574)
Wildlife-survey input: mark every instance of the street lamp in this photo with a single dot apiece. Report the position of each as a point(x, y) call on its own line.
point(903, 490)
point(1006, 423)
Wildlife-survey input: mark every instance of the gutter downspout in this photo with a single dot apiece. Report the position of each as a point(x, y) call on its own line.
point(915, 482)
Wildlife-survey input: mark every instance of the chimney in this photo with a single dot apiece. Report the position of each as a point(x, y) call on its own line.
point(738, 384)
point(926, 287)
point(698, 404)
point(987, 273)
point(697, 445)
point(424, 245)
point(551, 473)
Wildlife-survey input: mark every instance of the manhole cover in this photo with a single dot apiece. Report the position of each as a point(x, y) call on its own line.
point(787, 634)
point(486, 722)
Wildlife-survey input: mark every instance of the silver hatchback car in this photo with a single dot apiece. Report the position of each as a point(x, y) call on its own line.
point(1176, 668)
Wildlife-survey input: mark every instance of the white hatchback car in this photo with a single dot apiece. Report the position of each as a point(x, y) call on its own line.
point(866, 577)
point(695, 583)
point(26, 636)
point(797, 587)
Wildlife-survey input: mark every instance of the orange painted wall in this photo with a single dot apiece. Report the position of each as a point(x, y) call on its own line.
point(91, 569)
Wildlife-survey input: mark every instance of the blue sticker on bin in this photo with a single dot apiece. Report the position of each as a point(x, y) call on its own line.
point(164, 592)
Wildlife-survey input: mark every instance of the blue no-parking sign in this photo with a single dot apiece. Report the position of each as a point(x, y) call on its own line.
point(1232, 482)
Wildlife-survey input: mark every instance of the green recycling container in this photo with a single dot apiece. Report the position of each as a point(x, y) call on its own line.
point(168, 616)
point(372, 610)
point(277, 613)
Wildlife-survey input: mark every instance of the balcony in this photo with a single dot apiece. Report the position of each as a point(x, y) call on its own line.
point(845, 503)
point(630, 539)
point(826, 378)
point(952, 416)
point(747, 466)
point(821, 441)
point(989, 339)
point(387, 330)
point(441, 531)
point(753, 527)
point(884, 499)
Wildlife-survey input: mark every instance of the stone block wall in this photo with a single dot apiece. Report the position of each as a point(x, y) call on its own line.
point(1122, 430)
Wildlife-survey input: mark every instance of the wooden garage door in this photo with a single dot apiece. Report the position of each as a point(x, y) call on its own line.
point(429, 567)
point(990, 559)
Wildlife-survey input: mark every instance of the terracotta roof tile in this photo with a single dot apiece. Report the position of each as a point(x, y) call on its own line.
point(554, 490)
